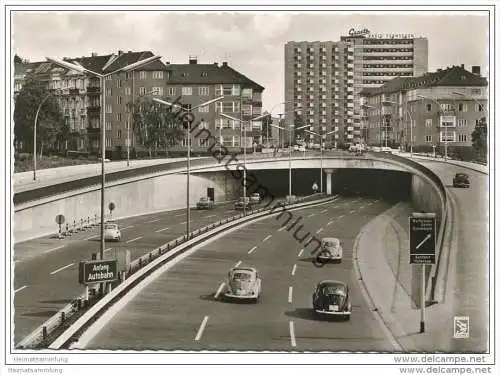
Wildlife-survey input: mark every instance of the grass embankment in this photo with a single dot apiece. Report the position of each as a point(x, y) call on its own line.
point(24, 163)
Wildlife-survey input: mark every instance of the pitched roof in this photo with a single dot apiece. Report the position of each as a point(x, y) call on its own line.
point(451, 76)
point(208, 74)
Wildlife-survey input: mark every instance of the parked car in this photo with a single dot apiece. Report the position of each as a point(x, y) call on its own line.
point(243, 283)
point(302, 148)
point(331, 297)
point(331, 249)
point(461, 180)
point(387, 150)
point(205, 203)
point(112, 232)
point(255, 198)
point(243, 203)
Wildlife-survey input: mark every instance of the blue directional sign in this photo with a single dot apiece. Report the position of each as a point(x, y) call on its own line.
point(422, 238)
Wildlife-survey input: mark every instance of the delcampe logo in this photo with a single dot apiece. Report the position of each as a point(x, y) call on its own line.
point(461, 327)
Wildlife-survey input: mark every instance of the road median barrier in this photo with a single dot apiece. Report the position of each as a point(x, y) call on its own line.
point(72, 320)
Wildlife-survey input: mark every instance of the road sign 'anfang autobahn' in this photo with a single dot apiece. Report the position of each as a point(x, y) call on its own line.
point(97, 271)
point(422, 238)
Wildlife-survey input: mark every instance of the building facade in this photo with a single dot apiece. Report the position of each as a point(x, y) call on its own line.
point(426, 112)
point(323, 79)
point(80, 99)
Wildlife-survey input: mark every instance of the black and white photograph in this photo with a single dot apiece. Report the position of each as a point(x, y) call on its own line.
point(304, 187)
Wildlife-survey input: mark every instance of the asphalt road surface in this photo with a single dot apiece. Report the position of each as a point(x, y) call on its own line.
point(471, 286)
point(181, 309)
point(46, 270)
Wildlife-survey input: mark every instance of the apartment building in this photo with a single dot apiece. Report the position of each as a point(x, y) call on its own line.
point(79, 95)
point(323, 79)
point(198, 83)
point(426, 111)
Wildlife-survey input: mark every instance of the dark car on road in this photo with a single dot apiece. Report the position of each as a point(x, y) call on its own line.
point(243, 203)
point(461, 180)
point(331, 297)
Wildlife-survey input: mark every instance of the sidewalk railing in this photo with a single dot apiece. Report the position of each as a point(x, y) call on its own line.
point(46, 333)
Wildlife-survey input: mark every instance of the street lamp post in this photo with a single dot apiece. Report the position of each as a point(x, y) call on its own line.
point(34, 131)
point(321, 153)
point(79, 68)
point(189, 119)
point(242, 126)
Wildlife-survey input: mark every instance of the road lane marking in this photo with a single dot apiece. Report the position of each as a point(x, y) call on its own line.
point(130, 226)
point(319, 231)
point(290, 292)
point(160, 230)
point(89, 238)
point(21, 288)
point(281, 229)
point(252, 250)
point(294, 269)
point(323, 211)
point(184, 222)
point(54, 249)
point(352, 211)
point(108, 249)
point(152, 221)
point(341, 216)
point(300, 252)
point(133, 239)
point(268, 237)
point(219, 290)
point(292, 335)
point(60, 269)
point(329, 223)
point(369, 204)
point(180, 215)
point(311, 215)
point(362, 207)
point(201, 329)
point(206, 217)
point(237, 264)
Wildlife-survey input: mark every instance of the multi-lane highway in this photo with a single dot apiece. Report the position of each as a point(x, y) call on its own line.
point(46, 270)
point(183, 309)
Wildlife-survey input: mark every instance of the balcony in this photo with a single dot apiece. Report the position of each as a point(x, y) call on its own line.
point(93, 90)
point(94, 110)
point(74, 92)
point(93, 132)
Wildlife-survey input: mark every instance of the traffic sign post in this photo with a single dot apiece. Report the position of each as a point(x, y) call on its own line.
point(111, 208)
point(60, 220)
point(422, 230)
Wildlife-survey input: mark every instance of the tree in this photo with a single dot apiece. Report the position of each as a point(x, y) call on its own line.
point(299, 134)
point(480, 139)
point(51, 126)
point(17, 59)
point(154, 125)
point(266, 127)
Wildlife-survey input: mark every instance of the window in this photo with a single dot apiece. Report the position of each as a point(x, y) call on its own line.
point(247, 93)
point(203, 91)
point(109, 109)
point(462, 137)
point(109, 92)
point(227, 141)
point(204, 142)
point(246, 109)
point(171, 91)
point(203, 124)
point(142, 90)
point(225, 107)
point(108, 125)
point(108, 142)
point(187, 91)
point(475, 91)
point(235, 90)
point(203, 109)
point(157, 91)
point(429, 107)
point(128, 91)
point(462, 107)
point(118, 100)
point(446, 107)
point(118, 83)
point(428, 123)
point(428, 138)
point(479, 107)
point(224, 123)
point(118, 117)
point(461, 122)
point(119, 133)
point(109, 78)
point(142, 75)
point(128, 75)
point(158, 74)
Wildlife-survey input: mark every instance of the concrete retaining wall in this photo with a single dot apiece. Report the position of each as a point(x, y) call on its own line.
point(146, 196)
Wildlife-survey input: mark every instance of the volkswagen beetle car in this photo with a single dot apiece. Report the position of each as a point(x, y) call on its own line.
point(331, 249)
point(331, 297)
point(461, 180)
point(204, 204)
point(243, 203)
point(243, 283)
point(112, 232)
point(255, 198)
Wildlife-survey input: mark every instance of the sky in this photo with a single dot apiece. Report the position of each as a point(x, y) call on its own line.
point(252, 43)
